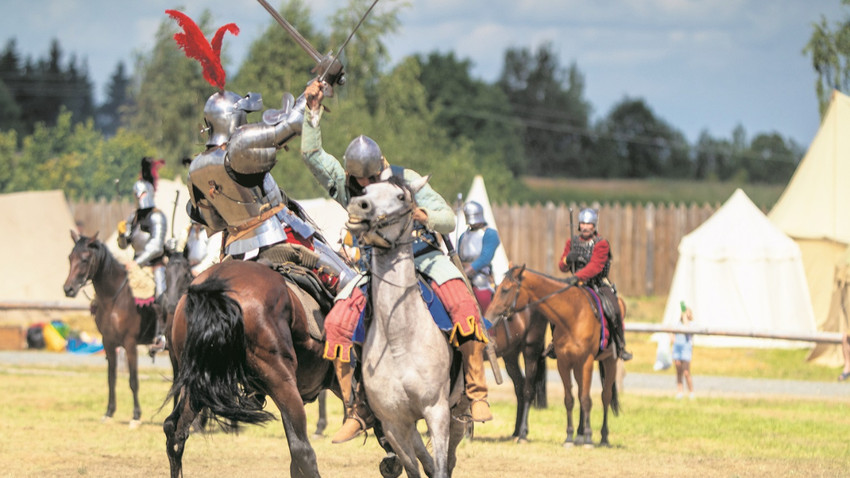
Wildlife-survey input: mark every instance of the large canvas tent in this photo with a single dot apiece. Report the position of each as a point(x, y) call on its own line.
point(814, 210)
point(34, 247)
point(738, 272)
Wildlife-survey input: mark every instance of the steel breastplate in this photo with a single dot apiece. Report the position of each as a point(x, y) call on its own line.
point(470, 247)
point(139, 238)
point(220, 198)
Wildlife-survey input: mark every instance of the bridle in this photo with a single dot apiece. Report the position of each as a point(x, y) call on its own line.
point(89, 276)
point(513, 307)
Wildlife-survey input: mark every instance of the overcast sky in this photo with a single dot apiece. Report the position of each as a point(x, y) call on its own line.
point(699, 64)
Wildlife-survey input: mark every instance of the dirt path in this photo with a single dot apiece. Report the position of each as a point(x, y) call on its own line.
point(661, 383)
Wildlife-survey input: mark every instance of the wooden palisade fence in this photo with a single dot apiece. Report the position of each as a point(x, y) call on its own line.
point(644, 237)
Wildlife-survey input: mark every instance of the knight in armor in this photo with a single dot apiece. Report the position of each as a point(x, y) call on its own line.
point(476, 248)
point(145, 229)
point(197, 243)
point(364, 164)
point(589, 259)
point(231, 188)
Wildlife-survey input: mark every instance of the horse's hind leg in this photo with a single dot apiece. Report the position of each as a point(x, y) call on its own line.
point(176, 428)
point(405, 451)
point(285, 394)
point(133, 367)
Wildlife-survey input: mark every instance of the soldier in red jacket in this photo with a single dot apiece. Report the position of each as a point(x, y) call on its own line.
point(589, 259)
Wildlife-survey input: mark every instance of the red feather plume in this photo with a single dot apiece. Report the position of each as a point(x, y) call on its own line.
point(195, 45)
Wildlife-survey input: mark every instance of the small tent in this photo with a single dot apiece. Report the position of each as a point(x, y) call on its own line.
point(814, 210)
point(478, 193)
point(738, 272)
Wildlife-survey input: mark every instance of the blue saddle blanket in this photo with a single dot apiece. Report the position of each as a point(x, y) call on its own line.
point(438, 312)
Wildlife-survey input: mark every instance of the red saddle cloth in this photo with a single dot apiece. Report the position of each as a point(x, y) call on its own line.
point(145, 302)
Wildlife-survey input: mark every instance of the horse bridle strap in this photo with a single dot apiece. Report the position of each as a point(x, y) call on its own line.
point(514, 309)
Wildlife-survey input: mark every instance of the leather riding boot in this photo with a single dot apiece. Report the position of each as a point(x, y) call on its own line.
point(620, 341)
point(476, 382)
point(358, 417)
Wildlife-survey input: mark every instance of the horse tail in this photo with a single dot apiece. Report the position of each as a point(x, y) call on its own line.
point(615, 400)
point(213, 366)
point(538, 397)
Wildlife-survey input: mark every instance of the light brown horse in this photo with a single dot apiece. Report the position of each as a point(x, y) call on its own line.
point(577, 336)
point(238, 335)
point(120, 321)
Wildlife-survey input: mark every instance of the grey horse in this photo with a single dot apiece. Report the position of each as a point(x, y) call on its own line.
point(406, 358)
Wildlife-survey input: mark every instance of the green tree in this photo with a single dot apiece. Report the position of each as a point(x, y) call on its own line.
point(472, 110)
point(109, 114)
point(548, 101)
point(642, 144)
point(275, 64)
point(169, 102)
point(829, 50)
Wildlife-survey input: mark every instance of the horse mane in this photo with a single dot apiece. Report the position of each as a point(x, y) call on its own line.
point(105, 260)
point(551, 277)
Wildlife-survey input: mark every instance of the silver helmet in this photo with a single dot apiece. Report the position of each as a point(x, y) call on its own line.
point(588, 216)
point(474, 213)
point(363, 158)
point(143, 192)
point(225, 111)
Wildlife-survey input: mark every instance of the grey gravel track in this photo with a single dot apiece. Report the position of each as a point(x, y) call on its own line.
point(659, 383)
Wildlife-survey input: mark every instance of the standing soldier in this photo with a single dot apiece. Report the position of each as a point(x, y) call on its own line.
point(476, 247)
point(145, 229)
point(589, 258)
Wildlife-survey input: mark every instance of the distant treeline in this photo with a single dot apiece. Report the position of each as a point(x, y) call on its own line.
point(427, 112)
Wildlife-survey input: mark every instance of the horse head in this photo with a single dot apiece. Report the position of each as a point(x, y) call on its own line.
point(383, 216)
point(504, 302)
point(178, 276)
point(83, 263)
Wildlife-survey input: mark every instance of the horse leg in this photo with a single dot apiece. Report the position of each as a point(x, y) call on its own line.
point(284, 392)
point(608, 374)
point(176, 428)
point(399, 436)
point(586, 401)
point(322, 423)
point(564, 370)
point(531, 360)
point(439, 419)
point(512, 367)
point(111, 370)
point(133, 368)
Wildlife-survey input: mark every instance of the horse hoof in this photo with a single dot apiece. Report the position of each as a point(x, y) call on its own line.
point(521, 441)
point(134, 424)
point(105, 419)
point(317, 436)
point(568, 445)
point(588, 446)
point(390, 466)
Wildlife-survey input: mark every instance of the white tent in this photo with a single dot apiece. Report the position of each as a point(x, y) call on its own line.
point(478, 193)
point(34, 247)
point(814, 210)
point(738, 272)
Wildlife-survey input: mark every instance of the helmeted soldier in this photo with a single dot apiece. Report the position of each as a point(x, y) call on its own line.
point(476, 248)
point(363, 164)
point(588, 257)
point(230, 186)
point(145, 229)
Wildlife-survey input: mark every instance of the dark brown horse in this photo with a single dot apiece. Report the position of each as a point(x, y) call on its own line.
point(577, 337)
point(119, 320)
point(523, 333)
point(238, 335)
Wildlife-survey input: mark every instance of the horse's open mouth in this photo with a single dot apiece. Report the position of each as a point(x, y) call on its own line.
point(357, 225)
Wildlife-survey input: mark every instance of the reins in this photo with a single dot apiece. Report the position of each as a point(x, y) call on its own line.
point(513, 309)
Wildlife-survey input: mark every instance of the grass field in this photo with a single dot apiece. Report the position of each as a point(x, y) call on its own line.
point(51, 427)
point(565, 190)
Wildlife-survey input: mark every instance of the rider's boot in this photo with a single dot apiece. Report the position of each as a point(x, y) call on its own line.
point(358, 416)
point(476, 383)
point(620, 341)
